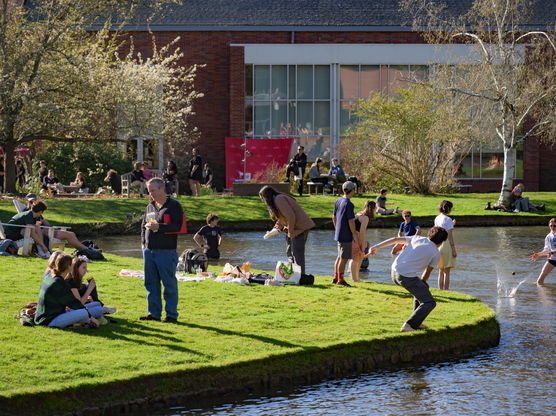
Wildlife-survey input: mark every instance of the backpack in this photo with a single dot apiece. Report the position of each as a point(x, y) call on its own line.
point(8, 247)
point(26, 315)
point(92, 252)
point(191, 259)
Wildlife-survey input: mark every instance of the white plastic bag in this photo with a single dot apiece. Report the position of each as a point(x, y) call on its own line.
point(287, 272)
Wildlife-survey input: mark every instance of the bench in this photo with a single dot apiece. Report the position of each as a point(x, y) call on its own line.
point(314, 186)
point(127, 186)
point(461, 187)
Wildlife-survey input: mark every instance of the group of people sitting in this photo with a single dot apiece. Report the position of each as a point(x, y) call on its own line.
point(198, 174)
point(331, 181)
point(517, 202)
point(33, 215)
point(51, 184)
point(64, 298)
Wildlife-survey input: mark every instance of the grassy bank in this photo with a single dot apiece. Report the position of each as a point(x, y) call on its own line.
point(225, 330)
point(241, 209)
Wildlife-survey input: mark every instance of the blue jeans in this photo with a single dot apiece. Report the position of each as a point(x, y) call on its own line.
point(77, 315)
point(160, 266)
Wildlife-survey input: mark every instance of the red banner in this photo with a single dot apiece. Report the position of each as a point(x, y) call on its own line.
point(258, 154)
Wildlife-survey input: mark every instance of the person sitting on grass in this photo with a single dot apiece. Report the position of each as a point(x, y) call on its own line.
point(381, 204)
point(86, 293)
point(57, 306)
point(420, 256)
point(29, 217)
point(209, 237)
point(79, 183)
point(51, 183)
point(69, 236)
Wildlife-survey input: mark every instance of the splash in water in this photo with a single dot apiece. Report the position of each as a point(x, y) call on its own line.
point(505, 288)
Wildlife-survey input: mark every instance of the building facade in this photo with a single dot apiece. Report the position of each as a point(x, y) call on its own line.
point(296, 69)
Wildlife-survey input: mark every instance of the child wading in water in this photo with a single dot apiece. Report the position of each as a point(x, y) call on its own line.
point(549, 251)
point(209, 237)
point(448, 252)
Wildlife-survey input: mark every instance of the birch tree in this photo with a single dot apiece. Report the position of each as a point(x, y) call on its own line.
point(65, 76)
point(514, 74)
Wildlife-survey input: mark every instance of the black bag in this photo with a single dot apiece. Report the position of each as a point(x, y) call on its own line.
point(306, 280)
point(92, 252)
point(8, 247)
point(191, 259)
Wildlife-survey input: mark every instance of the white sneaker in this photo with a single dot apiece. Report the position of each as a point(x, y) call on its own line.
point(108, 310)
point(42, 253)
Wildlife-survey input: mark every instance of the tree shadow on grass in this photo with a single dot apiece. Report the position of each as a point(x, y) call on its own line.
point(260, 338)
point(123, 329)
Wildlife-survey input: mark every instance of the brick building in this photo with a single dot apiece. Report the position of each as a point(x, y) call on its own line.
point(295, 69)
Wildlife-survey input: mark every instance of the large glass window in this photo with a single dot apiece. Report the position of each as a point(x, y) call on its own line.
point(289, 101)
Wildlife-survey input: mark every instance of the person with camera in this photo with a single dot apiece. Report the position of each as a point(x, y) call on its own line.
point(297, 167)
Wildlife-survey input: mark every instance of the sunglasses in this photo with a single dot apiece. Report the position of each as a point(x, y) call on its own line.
point(407, 216)
point(552, 225)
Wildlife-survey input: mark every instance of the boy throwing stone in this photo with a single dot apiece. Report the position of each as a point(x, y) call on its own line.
point(420, 256)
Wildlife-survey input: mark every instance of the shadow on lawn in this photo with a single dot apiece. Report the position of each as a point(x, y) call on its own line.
point(123, 329)
point(268, 340)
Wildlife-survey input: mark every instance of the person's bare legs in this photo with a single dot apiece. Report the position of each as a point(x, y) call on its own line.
point(547, 268)
point(354, 268)
point(36, 235)
point(71, 238)
point(444, 278)
point(195, 187)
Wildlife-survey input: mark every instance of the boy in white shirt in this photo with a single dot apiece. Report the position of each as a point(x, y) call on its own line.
point(420, 256)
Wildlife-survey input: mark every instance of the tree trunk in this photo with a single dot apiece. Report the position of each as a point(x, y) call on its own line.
point(8, 143)
point(507, 180)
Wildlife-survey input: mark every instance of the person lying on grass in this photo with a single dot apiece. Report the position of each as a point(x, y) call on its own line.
point(57, 306)
point(420, 256)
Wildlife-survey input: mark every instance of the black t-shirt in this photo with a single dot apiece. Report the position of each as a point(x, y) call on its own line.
point(207, 176)
point(51, 181)
point(211, 235)
point(116, 183)
point(137, 175)
point(198, 174)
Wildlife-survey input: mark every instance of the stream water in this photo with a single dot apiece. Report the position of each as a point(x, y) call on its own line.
point(516, 378)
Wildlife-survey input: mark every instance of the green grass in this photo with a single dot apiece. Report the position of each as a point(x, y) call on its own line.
point(220, 324)
point(82, 211)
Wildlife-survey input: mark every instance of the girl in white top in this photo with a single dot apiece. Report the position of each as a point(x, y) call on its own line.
point(549, 251)
point(448, 252)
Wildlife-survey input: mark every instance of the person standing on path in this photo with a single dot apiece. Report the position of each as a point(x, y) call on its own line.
point(159, 239)
point(345, 231)
point(420, 255)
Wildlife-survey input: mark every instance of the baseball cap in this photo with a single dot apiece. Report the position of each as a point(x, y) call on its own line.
point(30, 197)
point(348, 186)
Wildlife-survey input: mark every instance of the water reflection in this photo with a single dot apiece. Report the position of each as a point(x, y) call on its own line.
point(515, 378)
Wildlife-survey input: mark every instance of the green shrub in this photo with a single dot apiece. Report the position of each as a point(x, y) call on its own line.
point(93, 159)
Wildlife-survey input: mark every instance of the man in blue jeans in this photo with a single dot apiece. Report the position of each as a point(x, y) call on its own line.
point(159, 228)
point(419, 256)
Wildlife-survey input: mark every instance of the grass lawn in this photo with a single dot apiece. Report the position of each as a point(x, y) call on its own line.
point(81, 211)
point(220, 324)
